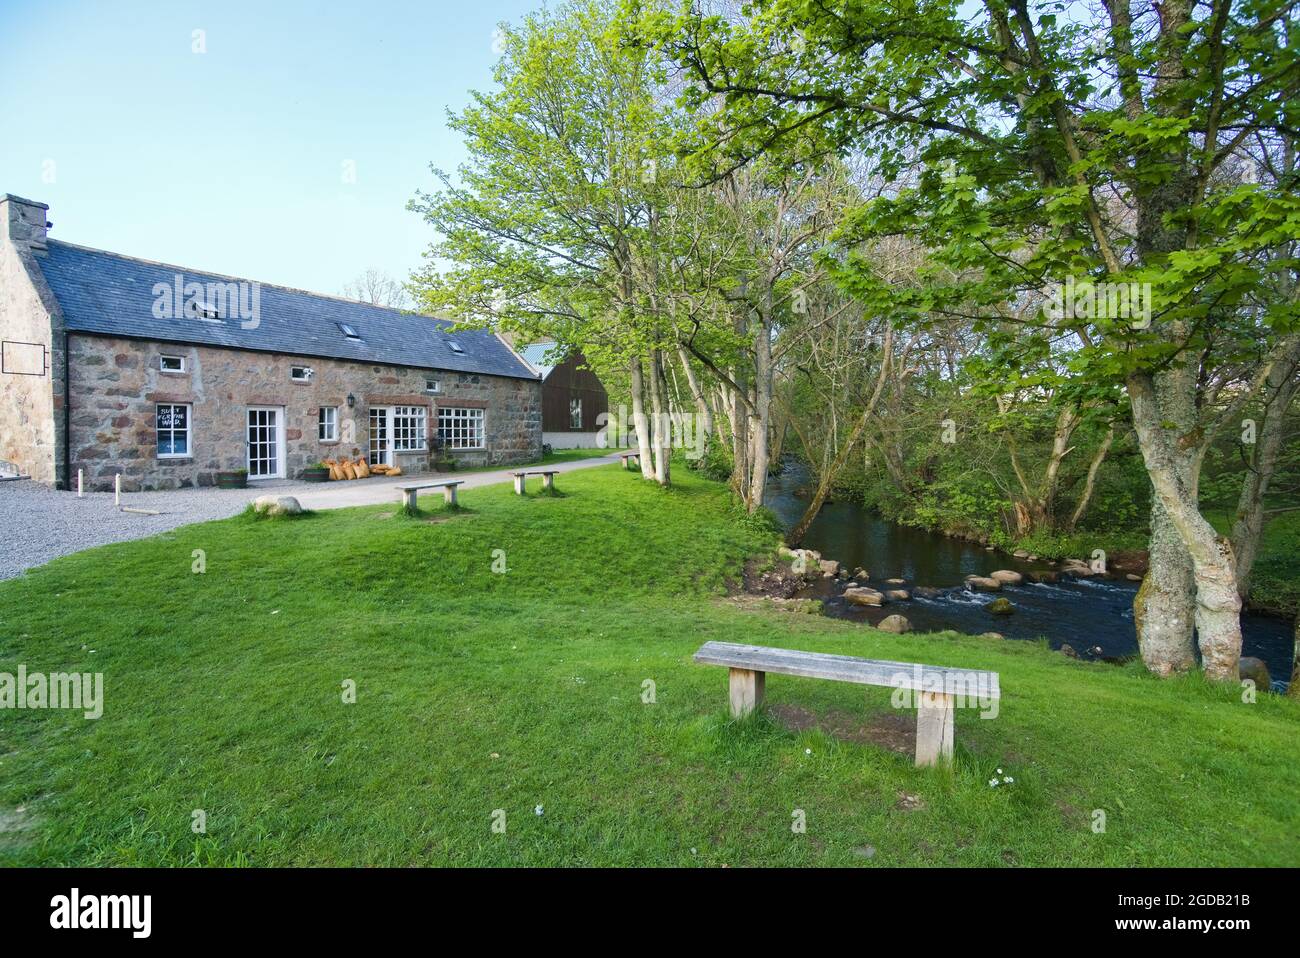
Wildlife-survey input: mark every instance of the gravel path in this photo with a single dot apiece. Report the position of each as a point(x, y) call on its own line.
point(38, 524)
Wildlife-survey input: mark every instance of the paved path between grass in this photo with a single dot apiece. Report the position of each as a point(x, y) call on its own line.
point(38, 524)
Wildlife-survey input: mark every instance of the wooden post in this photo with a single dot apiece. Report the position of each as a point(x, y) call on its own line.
point(934, 729)
point(548, 481)
point(80, 492)
point(746, 691)
point(409, 499)
point(449, 495)
point(519, 483)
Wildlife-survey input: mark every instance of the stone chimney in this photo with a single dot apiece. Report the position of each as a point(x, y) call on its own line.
point(24, 221)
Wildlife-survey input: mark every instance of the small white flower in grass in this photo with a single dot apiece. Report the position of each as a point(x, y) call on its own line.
point(693, 851)
point(999, 771)
point(1008, 780)
point(993, 783)
point(807, 751)
point(275, 611)
point(537, 811)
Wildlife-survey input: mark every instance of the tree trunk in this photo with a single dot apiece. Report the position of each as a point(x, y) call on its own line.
point(1090, 483)
point(639, 419)
point(697, 394)
point(1218, 607)
point(1248, 526)
point(1162, 610)
point(760, 419)
point(662, 431)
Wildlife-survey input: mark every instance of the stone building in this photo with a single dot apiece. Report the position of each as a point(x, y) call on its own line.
point(110, 364)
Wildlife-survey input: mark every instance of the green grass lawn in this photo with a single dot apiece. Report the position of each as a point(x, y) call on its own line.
point(478, 691)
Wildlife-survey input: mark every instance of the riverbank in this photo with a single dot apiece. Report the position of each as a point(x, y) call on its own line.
point(1093, 615)
point(562, 692)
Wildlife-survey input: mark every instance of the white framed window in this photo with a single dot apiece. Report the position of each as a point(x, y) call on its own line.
point(171, 364)
point(409, 425)
point(433, 385)
point(328, 424)
point(301, 374)
point(575, 413)
point(173, 425)
point(460, 428)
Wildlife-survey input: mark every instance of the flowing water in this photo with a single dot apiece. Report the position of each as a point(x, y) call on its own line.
point(1094, 616)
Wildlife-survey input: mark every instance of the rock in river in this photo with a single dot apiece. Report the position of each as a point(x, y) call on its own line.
point(1007, 577)
point(1255, 670)
point(863, 596)
point(897, 624)
point(983, 583)
point(1001, 606)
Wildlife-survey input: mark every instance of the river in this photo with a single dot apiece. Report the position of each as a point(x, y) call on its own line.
point(1094, 616)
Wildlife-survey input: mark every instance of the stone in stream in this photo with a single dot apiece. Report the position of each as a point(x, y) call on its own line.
point(1007, 577)
point(895, 582)
point(863, 596)
point(1254, 669)
point(1021, 554)
point(992, 635)
point(897, 624)
point(1132, 577)
point(1044, 576)
point(829, 567)
point(898, 595)
point(983, 583)
point(1068, 651)
point(927, 591)
point(861, 573)
point(1001, 606)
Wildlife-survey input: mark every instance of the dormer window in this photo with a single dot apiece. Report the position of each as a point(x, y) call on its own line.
point(199, 309)
point(454, 346)
point(301, 374)
point(349, 331)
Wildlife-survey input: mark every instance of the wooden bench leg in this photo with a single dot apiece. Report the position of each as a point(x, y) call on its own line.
point(548, 483)
point(519, 485)
point(934, 729)
point(746, 691)
point(449, 495)
point(408, 499)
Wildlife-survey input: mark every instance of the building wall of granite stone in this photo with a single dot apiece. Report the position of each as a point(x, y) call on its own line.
point(115, 385)
point(31, 406)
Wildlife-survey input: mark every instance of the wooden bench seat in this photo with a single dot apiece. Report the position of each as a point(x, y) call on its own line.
point(626, 457)
point(935, 689)
point(548, 479)
point(448, 486)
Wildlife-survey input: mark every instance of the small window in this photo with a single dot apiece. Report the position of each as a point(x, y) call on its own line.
point(329, 424)
point(432, 386)
point(173, 423)
point(171, 364)
point(349, 331)
point(454, 346)
point(575, 413)
point(301, 374)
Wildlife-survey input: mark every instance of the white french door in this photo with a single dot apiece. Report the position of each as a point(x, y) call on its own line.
point(381, 435)
point(266, 442)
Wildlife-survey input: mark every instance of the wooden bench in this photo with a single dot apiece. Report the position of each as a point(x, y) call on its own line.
point(935, 688)
point(548, 479)
point(448, 487)
point(627, 457)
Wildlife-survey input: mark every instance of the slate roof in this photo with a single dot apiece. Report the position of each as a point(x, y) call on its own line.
point(543, 357)
point(102, 292)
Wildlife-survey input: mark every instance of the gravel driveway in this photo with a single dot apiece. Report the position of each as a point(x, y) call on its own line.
point(38, 524)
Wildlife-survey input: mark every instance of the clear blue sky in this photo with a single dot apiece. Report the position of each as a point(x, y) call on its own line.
point(232, 160)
